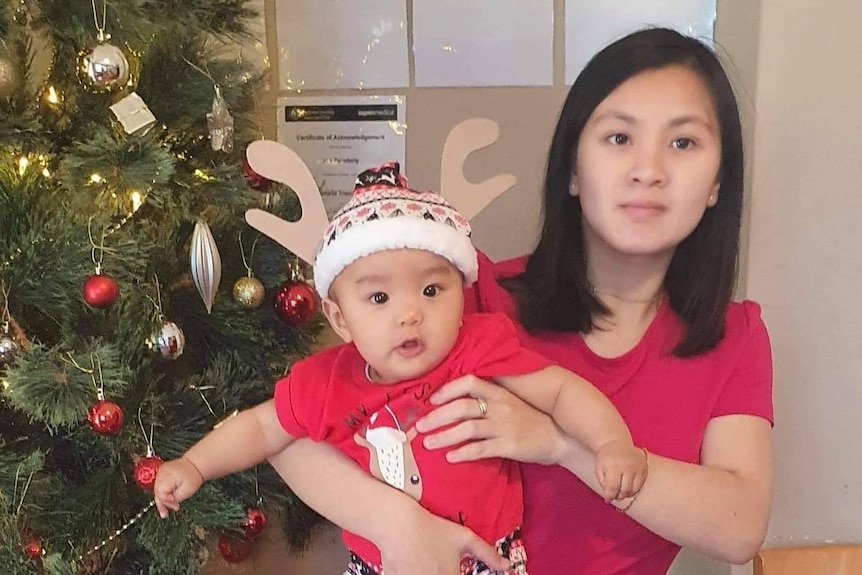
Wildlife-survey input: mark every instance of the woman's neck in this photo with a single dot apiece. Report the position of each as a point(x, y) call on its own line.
point(633, 303)
point(631, 287)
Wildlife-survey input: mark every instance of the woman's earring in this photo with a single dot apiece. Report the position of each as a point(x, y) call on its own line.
point(573, 188)
point(713, 197)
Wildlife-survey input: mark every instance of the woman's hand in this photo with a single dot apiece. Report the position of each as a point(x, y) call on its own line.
point(420, 542)
point(507, 427)
point(411, 540)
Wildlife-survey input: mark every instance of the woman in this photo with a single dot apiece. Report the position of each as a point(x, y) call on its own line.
point(629, 286)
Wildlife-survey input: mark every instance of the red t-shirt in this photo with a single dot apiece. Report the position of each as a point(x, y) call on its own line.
point(328, 397)
point(667, 403)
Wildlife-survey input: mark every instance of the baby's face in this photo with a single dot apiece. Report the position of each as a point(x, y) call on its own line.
point(401, 308)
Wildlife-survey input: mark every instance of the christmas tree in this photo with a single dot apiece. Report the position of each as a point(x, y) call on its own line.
point(132, 294)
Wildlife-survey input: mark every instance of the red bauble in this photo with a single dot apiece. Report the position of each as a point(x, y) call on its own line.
point(145, 471)
point(100, 291)
point(105, 417)
point(254, 180)
point(234, 548)
point(295, 302)
point(255, 522)
point(33, 548)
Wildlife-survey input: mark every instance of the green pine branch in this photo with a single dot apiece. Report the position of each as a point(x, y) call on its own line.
point(58, 222)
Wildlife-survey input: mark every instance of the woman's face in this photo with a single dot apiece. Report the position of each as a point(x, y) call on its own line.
point(647, 163)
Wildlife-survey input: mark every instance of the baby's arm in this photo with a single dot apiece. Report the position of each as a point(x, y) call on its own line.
point(584, 413)
point(239, 443)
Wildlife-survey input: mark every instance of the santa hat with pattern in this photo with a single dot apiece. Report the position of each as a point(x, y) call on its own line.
point(384, 214)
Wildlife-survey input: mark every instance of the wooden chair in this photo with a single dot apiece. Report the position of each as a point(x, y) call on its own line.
point(816, 560)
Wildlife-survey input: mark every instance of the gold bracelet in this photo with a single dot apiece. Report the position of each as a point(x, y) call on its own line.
point(624, 509)
point(196, 468)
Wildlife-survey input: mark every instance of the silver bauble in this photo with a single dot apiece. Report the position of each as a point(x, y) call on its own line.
point(103, 68)
point(8, 348)
point(169, 339)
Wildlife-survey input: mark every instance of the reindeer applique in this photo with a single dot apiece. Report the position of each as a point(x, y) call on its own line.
point(391, 457)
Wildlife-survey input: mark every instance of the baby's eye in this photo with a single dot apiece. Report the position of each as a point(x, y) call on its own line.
point(379, 297)
point(618, 139)
point(431, 291)
point(682, 143)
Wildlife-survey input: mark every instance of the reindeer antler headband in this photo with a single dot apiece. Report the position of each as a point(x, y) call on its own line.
point(277, 162)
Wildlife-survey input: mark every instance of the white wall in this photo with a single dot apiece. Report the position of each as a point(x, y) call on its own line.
point(804, 264)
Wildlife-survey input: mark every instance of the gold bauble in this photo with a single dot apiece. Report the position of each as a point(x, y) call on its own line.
point(8, 78)
point(248, 292)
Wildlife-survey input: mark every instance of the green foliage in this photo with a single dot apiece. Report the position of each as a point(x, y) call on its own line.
point(59, 480)
point(46, 385)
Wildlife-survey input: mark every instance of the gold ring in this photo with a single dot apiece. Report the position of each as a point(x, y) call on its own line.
point(483, 407)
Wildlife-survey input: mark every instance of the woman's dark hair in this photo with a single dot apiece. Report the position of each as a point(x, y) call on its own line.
point(553, 292)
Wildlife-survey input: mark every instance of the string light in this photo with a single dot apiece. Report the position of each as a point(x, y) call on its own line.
point(137, 201)
point(53, 95)
point(198, 173)
point(96, 179)
point(24, 163)
point(43, 161)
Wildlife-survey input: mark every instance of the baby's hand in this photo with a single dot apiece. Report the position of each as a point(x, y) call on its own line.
point(621, 469)
point(176, 481)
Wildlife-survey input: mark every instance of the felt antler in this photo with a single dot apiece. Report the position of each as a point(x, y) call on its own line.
point(279, 163)
point(464, 139)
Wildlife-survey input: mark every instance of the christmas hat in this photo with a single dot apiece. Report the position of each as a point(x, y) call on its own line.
point(384, 214)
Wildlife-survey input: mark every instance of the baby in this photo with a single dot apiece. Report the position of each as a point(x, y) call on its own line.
point(391, 271)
